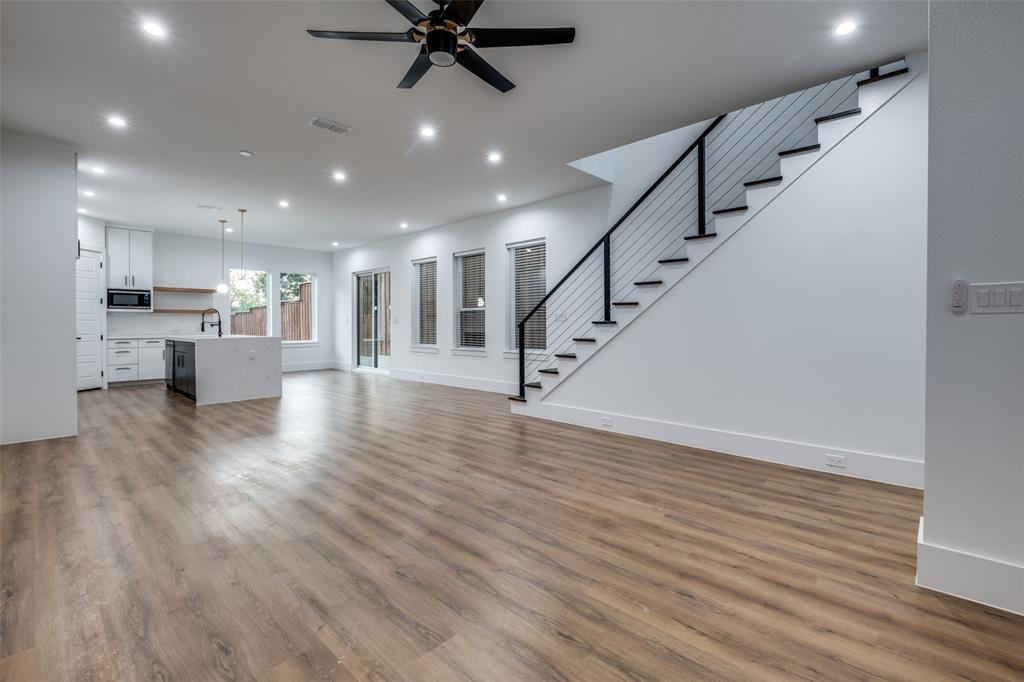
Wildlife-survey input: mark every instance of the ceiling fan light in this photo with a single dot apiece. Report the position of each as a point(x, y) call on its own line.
point(442, 46)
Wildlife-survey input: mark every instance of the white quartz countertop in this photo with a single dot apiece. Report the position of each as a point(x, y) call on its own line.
point(208, 337)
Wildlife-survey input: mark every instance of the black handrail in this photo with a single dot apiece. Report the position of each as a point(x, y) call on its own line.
point(606, 242)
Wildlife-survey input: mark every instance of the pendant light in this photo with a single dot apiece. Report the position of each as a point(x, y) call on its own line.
point(241, 248)
point(222, 288)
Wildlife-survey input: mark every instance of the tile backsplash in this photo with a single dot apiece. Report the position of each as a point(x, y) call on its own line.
point(127, 324)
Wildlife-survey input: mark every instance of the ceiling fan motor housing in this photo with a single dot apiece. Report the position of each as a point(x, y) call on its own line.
point(442, 46)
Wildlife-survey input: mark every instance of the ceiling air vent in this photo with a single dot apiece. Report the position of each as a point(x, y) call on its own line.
point(328, 124)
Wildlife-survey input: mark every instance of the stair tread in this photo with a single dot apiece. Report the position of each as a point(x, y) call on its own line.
point(763, 181)
point(626, 303)
point(548, 370)
point(517, 398)
point(838, 115)
point(571, 356)
point(709, 235)
point(801, 150)
point(731, 209)
point(667, 261)
point(584, 339)
point(533, 384)
point(647, 282)
point(882, 77)
point(604, 322)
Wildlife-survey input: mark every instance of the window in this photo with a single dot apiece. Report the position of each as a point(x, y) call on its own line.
point(527, 286)
point(248, 291)
point(298, 307)
point(424, 303)
point(470, 301)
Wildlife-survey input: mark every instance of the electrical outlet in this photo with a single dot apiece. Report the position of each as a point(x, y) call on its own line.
point(838, 461)
point(606, 421)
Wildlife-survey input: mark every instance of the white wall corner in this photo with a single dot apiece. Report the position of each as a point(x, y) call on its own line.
point(988, 581)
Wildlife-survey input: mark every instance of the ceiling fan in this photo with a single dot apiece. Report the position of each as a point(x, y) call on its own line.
point(445, 39)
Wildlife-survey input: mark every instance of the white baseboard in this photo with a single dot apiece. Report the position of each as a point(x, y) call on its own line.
point(306, 366)
point(865, 465)
point(988, 581)
point(456, 380)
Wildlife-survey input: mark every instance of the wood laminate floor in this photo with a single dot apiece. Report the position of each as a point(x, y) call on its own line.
point(369, 528)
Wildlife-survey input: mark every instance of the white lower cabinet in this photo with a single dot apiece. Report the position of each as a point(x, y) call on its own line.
point(151, 363)
point(135, 359)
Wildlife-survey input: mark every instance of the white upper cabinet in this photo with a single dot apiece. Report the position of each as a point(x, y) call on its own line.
point(118, 257)
point(140, 273)
point(129, 258)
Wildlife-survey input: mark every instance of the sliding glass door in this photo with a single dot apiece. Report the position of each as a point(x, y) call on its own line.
point(373, 331)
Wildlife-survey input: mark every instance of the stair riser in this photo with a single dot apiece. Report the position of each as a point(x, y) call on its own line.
point(831, 132)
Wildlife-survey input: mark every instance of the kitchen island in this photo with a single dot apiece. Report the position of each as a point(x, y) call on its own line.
point(222, 369)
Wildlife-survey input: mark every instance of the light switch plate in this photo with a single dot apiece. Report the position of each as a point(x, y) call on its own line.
point(996, 297)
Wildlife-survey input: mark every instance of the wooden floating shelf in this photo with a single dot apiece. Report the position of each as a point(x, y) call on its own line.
point(185, 290)
point(180, 311)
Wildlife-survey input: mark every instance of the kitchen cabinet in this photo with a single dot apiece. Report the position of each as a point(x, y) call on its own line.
point(135, 359)
point(129, 259)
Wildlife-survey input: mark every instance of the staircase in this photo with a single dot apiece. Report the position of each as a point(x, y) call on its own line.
point(735, 167)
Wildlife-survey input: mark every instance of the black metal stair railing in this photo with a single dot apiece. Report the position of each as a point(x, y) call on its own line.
point(605, 244)
point(712, 173)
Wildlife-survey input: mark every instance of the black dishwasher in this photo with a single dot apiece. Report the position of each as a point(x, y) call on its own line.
point(183, 372)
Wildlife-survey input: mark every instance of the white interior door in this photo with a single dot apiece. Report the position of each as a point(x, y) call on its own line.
point(88, 325)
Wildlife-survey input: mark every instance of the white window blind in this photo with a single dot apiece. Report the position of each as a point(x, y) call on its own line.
point(425, 302)
point(527, 286)
point(470, 301)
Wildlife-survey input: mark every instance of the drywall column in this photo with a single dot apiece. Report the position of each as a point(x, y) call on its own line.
point(37, 289)
point(972, 538)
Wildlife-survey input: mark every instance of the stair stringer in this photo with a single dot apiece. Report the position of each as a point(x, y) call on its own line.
point(871, 99)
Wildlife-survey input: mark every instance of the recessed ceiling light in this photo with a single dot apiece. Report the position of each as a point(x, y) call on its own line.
point(502, 198)
point(82, 211)
point(116, 121)
point(335, 244)
point(229, 229)
point(494, 157)
point(427, 132)
point(154, 29)
point(99, 170)
point(403, 225)
point(88, 193)
point(245, 152)
point(283, 203)
point(846, 28)
point(338, 175)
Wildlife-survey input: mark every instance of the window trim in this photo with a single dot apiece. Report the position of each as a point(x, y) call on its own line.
point(457, 303)
point(510, 293)
point(315, 322)
point(416, 346)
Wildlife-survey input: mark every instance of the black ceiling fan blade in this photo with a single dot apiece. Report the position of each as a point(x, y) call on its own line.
point(408, 10)
point(461, 11)
point(516, 37)
point(365, 35)
point(416, 71)
point(480, 68)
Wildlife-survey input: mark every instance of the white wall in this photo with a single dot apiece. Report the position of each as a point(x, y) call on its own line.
point(569, 224)
point(804, 334)
point(972, 543)
point(37, 290)
point(185, 261)
point(92, 233)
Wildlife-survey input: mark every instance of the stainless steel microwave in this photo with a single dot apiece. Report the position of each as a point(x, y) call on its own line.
point(129, 299)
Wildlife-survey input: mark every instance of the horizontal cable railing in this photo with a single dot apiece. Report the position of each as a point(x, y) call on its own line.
point(734, 148)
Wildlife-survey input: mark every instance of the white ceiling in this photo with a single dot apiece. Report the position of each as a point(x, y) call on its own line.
point(244, 75)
